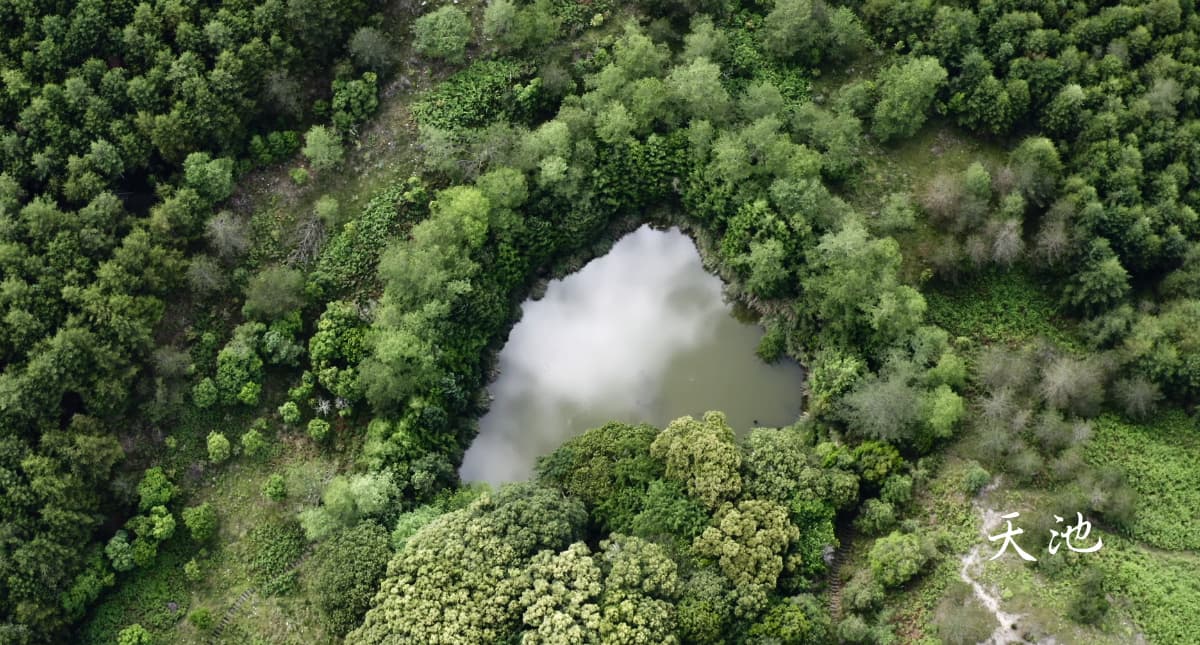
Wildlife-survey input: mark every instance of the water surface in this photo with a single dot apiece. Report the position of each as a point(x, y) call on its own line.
point(640, 334)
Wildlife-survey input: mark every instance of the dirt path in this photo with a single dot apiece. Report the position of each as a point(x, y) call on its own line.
point(1007, 630)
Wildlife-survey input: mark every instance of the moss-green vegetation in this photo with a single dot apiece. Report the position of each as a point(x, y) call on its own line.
point(1159, 459)
point(1009, 307)
point(257, 259)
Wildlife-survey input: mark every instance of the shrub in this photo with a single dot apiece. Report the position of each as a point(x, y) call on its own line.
point(443, 33)
point(318, 429)
point(875, 518)
point(299, 176)
point(253, 443)
point(1090, 603)
point(269, 550)
point(975, 479)
point(201, 521)
point(862, 592)
point(274, 292)
point(322, 148)
point(370, 48)
point(135, 634)
point(275, 488)
point(289, 412)
point(191, 571)
point(218, 447)
point(326, 209)
point(202, 618)
point(896, 558)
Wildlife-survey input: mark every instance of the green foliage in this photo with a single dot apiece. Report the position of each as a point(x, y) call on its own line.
point(322, 148)
point(345, 571)
point(1156, 459)
point(906, 94)
point(701, 455)
point(443, 33)
point(608, 469)
point(897, 557)
point(442, 585)
point(269, 550)
point(201, 521)
point(219, 447)
point(135, 634)
point(274, 487)
point(154, 489)
point(273, 293)
point(318, 429)
point(1000, 307)
point(473, 97)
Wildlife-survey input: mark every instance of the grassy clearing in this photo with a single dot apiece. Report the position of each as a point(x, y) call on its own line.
point(1159, 460)
point(1008, 307)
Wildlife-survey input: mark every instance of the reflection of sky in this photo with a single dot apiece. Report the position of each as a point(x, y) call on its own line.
point(636, 335)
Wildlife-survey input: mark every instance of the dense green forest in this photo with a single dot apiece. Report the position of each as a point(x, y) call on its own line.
point(257, 259)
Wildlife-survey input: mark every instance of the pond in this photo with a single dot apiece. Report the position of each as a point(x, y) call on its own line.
point(641, 334)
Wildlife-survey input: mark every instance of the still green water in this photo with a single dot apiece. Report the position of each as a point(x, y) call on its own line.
point(641, 334)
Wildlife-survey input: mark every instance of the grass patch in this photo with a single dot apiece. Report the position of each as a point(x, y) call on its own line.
point(1159, 460)
point(1000, 307)
point(1161, 590)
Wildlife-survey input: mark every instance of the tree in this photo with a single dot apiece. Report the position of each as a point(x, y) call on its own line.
point(154, 489)
point(906, 94)
point(697, 87)
point(211, 178)
point(701, 455)
point(201, 521)
point(289, 412)
point(323, 148)
point(793, 30)
point(253, 443)
point(218, 447)
point(705, 41)
point(444, 585)
point(345, 572)
point(853, 288)
point(370, 49)
point(1100, 282)
point(608, 469)
point(273, 293)
point(228, 235)
point(749, 540)
point(897, 557)
point(443, 33)
point(205, 276)
point(1038, 169)
point(318, 429)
